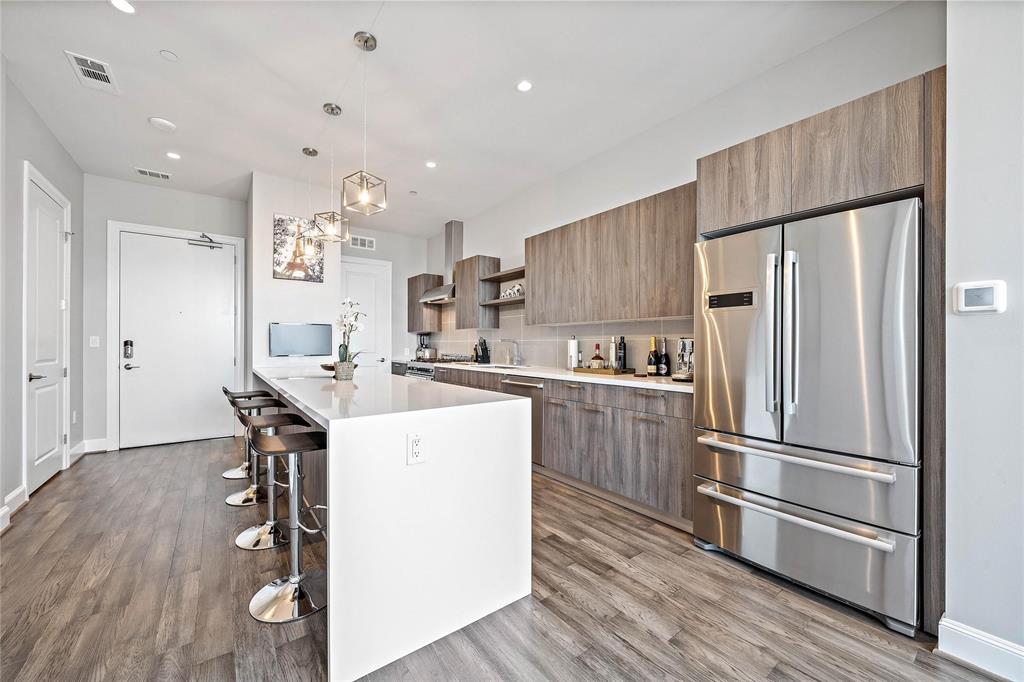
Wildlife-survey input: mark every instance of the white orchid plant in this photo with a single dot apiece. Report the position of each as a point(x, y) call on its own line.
point(348, 323)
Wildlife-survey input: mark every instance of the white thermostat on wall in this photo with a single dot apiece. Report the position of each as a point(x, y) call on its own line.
point(981, 297)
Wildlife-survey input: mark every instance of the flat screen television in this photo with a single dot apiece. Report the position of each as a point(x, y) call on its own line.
point(297, 339)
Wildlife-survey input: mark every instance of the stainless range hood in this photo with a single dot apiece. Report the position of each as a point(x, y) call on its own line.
point(452, 253)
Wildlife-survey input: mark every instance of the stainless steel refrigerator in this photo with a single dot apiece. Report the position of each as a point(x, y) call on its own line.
point(806, 403)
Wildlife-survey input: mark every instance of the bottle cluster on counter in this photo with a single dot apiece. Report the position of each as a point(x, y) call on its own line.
point(615, 358)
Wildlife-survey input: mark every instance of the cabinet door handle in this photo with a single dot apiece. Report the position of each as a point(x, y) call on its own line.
point(645, 418)
point(590, 408)
point(553, 401)
point(653, 394)
point(574, 386)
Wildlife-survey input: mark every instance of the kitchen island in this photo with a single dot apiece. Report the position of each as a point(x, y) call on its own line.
point(423, 544)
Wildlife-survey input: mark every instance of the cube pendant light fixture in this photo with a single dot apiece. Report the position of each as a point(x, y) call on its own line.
point(328, 226)
point(363, 192)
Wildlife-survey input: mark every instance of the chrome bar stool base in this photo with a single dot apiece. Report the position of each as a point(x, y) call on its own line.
point(283, 600)
point(266, 535)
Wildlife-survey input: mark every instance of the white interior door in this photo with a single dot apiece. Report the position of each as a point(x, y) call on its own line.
point(369, 282)
point(177, 310)
point(44, 337)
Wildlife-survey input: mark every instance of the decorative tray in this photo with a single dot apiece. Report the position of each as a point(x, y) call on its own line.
point(609, 370)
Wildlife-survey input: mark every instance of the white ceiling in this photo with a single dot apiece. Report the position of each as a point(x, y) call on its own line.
point(247, 90)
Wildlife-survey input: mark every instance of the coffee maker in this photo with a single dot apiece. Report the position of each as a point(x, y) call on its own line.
point(423, 349)
point(684, 361)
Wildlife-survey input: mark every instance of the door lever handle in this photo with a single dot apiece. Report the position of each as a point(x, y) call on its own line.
point(129, 365)
point(35, 377)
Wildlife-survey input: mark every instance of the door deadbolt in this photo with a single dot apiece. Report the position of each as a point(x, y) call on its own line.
point(129, 349)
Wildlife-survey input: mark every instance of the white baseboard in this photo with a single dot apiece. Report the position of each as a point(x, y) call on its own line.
point(16, 498)
point(980, 649)
point(77, 450)
point(5, 517)
point(95, 445)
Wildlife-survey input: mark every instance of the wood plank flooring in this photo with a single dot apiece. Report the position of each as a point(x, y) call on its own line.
point(124, 568)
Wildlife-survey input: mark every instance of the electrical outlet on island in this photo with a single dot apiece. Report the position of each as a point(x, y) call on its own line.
point(414, 449)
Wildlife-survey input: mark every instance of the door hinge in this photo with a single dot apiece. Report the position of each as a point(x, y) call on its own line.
point(65, 439)
point(65, 372)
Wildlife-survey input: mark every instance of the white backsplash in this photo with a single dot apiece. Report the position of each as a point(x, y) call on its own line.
point(547, 346)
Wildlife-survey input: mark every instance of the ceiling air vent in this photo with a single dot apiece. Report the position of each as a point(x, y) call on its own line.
point(158, 175)
point(364, 243)
point(93, 73)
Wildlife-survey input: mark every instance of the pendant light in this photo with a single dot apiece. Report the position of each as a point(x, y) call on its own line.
point(330, 226)
point(364, 192)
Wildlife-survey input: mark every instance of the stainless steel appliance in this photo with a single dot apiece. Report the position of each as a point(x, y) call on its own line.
point(532, 389)
point(423, 349)
point(806, 403)
point(399, 368)
point(420, 370)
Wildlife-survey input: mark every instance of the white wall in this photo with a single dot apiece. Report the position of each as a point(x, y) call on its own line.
point(985, 353)
point(133, 202)
point(276, 300)
point(901, 43)
point(26, 137)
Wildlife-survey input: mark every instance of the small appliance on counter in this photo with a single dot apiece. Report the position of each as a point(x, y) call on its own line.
point(684, 361)
point(423, 349)
point(483, 353)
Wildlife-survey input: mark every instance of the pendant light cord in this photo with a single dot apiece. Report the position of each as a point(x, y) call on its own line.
point(365, 55)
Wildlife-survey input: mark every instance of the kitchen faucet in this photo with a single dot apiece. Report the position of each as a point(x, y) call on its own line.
point(516, 359)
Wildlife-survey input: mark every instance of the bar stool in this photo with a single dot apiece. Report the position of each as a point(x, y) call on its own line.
point(241, 471)
point(255, 492)
point(298, 594)
point(270, 533)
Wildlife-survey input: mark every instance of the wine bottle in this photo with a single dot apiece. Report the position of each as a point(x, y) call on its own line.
point(620, 351)
point(652, 359)
point(597, 362)
point(663, 366)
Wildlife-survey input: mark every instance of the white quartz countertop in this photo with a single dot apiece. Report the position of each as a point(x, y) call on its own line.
point(662, 384)
point(320, 396)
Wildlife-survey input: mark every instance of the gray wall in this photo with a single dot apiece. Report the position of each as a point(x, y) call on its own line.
point(985, 352)
point(133, 202)
point(26, 137)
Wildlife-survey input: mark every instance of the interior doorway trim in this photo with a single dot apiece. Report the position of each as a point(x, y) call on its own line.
point(113, 353)
point(32, 176)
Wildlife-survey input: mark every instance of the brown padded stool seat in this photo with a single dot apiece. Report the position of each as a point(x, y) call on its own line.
point(287, 443)
point(272, 421)
point(256, 403)
point(246, 394)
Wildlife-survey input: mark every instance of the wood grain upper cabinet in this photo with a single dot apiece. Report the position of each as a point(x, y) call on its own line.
point(667, 229)
point(745, 183)
point(550, 275)
point(423, 317)
point(868, 146)
point(470, 292)
point(609, 267)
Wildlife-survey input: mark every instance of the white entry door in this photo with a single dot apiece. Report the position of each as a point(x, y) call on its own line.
point(177, 324)
point(44, 337)
point(369, 282)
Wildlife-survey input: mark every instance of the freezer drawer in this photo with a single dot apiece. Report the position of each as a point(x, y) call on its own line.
point(878, 493)
point(869, 567)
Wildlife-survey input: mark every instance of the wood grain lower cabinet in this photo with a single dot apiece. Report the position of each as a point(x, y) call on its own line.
point(653, 462)
point(872, 145)
point(560, 452)
point(594, 441)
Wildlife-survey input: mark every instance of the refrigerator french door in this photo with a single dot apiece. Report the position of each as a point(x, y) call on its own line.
point(806, 402)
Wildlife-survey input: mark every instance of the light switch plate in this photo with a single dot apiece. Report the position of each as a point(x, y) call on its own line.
point(414, 453)
point(94, 342)
point(986, 296)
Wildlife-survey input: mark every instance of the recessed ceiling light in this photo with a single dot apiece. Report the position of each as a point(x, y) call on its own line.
point(332, 109)
point(431, 164)
point(168, 55)
point(123, 5)
point(173, 155)
point(310, 151)
point(162, 124)
point(524, 86)
point(413, 192)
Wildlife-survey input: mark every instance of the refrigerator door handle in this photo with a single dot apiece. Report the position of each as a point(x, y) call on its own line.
point(771, 400)
point(870, 474)
point(790, 335)
point(708, 490)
